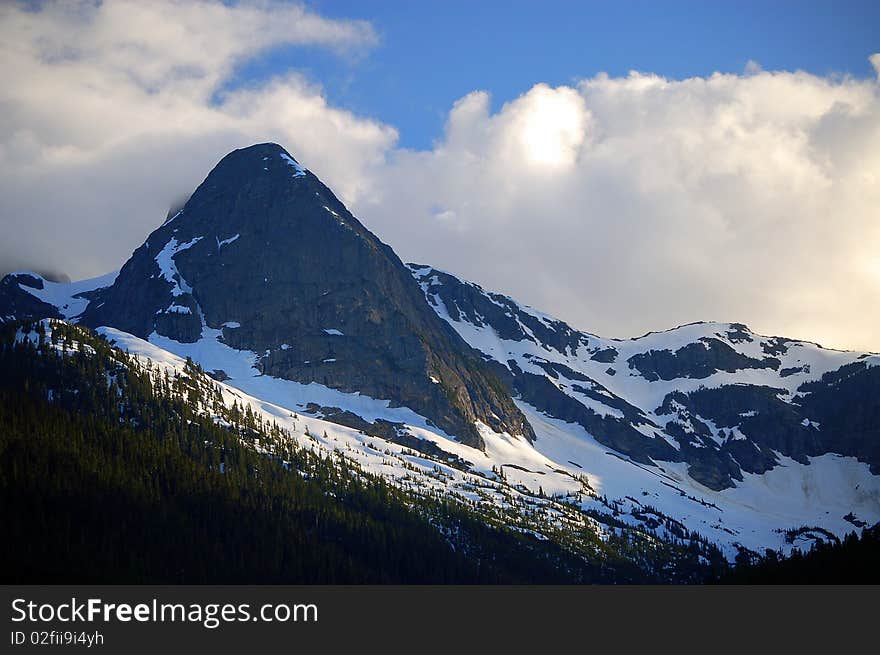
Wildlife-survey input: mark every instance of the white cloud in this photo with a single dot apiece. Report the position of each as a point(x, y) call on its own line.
point(652, 202)
point(753, 67)
point(110, 112)
point(875, 62)
point(620, 204)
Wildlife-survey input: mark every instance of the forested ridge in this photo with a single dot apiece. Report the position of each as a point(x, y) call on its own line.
point(855, 559)
point(108, 474)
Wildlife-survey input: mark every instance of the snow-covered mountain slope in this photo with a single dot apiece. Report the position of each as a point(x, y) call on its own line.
point(565, 479)
point(564, 460)
point(827, 491)
point(26, 295)
point(476, 484)
point(785, 427)
point(268, 283)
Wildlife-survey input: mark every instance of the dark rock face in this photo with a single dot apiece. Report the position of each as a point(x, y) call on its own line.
point(265, 252)
point(605, 355)
point(139, 299)
point(839, 413)
point(471, 303)
point(775, 346)
point(695, 360)
point(18, 304)
point(748, 408)
point(739, 333)
point(846, 404)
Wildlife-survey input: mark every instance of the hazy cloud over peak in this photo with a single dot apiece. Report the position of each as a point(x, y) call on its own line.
point(112, 111)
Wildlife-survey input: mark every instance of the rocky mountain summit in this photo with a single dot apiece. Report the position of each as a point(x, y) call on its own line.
point(265, 253)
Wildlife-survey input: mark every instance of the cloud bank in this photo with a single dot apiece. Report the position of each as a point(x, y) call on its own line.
point(638, 203)
point(110, 113)
point(619, 204)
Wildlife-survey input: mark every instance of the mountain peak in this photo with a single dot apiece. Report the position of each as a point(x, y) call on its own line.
point(264, 258)
point(256, 152)
point(259, 164)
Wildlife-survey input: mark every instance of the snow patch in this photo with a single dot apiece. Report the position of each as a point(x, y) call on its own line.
point(299, 171)
point(226, 242)
point(178, 309)
point(168, 269)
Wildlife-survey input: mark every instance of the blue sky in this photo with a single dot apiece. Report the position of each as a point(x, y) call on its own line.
point(432, 53)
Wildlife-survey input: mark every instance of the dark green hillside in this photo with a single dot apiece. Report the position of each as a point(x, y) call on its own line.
point(115, 481)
